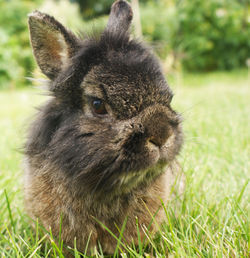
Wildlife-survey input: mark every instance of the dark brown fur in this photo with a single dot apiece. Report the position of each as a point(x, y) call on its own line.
point(87, 167)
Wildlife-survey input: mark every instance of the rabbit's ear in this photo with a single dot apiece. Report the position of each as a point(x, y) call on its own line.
point(120, 17)
point(52, 43)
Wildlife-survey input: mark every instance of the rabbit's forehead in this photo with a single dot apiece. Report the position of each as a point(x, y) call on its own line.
point(126, 91)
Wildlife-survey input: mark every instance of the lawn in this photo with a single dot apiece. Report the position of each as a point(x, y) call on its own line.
point(214, 216)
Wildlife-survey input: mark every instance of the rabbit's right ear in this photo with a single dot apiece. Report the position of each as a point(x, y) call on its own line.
point(120, 18)
point(53, 45)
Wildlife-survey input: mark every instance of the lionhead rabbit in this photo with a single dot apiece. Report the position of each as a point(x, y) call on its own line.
point(103, 148)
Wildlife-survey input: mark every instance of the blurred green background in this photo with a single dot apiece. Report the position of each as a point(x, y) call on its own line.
point(188, 36)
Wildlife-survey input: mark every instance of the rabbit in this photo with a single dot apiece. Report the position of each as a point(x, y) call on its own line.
point(102, 150)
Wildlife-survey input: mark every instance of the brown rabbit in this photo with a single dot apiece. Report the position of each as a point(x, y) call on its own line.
point(104, 147)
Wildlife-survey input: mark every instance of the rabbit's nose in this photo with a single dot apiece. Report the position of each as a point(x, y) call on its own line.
point(157, 128)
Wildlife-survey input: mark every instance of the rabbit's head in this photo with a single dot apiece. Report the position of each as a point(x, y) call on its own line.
point(109, 126)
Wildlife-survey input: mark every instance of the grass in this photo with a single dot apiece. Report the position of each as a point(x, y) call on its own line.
point(213, 218)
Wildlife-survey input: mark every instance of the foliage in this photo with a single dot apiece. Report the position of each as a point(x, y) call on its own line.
point(16, 61)
point(213, 218)
point(205, 35)
point(65, 12)
point(92, 9)
point(221, 39)
point(199, 35)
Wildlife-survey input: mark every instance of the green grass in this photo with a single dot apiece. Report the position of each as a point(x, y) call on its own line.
point(213, 218)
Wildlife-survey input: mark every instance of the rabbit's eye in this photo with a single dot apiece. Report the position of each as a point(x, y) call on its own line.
point(98, 106)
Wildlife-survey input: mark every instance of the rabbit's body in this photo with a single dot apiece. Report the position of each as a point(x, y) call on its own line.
point(103, 149)
point(48, 199)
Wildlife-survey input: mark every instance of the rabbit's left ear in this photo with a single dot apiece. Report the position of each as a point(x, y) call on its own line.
point(53, 45)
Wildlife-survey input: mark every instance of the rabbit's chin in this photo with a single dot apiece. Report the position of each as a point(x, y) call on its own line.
point(153, 164)
point(126, 182)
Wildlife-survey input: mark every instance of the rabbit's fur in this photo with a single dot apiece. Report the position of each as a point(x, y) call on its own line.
point(87, 167)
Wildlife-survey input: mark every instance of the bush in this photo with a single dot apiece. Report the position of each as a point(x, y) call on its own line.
point(206, 35)
point(200, 35)
point(16, 60)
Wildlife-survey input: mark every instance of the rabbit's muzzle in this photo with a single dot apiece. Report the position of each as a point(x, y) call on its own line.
point(156, 131)
point(152, 140)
